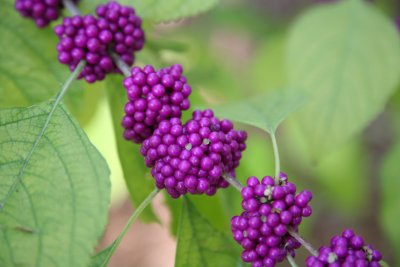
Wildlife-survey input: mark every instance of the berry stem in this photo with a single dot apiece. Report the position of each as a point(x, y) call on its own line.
point(303, 242)
point(233, 181)
point(73, 9)
point(120, 64)
point(26, 161)
point(291, 261)
point(114, 245)
point(276, 156)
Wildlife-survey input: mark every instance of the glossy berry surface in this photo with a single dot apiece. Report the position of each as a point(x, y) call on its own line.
point(346, 250)
point(126, 28)
point(91, 39)
point(41, 11)
point(153, 96)
point(270, 212)
point(192, 158)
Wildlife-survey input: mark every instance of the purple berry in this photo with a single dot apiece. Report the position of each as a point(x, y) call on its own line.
point(270, 210)
point(346, 250)
point(150, 105)
point(41, 11)
point(186, 154)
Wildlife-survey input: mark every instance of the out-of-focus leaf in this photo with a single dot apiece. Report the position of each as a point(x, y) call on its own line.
point(349, 65)
point(266, 111)
point(29, 70)
point(390, 184)
point(200, 244)
point(54, 189)
point(137, 175)
point(162, 11)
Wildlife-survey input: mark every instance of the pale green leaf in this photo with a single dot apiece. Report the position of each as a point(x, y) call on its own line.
point(137, 176)
point(29, 70)
point(54, 193)
point(346, 56)
point(266, 111)
point(200, 244)
point(390, 184)
point(161, 10)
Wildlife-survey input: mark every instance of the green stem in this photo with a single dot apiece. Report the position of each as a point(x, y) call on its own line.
point(132, 219)
point(277, 159)
point(291, 261)
point(304, 243)
point(57, 101)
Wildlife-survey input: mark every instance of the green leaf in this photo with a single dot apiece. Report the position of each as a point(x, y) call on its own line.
point(54, 193)
point(390, 184)
point(266, 111)
point(200, 244)
point(137, 176)
point(101, 257)
point(161, 10)
point(349, 65)
point(29, 70)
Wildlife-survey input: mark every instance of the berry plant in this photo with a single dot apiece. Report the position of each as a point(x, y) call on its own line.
point(193, 88)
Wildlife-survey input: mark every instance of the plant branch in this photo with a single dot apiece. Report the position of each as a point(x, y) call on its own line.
point(122, 66)
point(277, 159)
point(57, 101)
point(111, 249)
point(233, 181)
point(303, 242)
point(291, 261)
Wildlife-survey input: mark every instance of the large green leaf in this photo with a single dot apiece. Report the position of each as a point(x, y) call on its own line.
point(29, 70)
point(349, 65)
point(54, 190)
point(137, 176)
point(200, 244)
point(266, 111)
point(390, 184)
point(161, 10)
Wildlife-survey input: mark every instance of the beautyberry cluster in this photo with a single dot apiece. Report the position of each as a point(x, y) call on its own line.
point(270, 212)
point(192, 158)
point(153, 96)
point(41, 11)
point(90, 39)
point(346, 250)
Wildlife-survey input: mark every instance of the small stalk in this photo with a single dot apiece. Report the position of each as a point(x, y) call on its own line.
point(277, 159)
point(291, 261)
point(131, 220)
point(233, 181)
point(307, 245)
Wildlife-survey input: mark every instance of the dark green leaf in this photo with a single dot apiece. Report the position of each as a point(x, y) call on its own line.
point(349, 66)
point(266, 111)
point(137, 175)
point(200, 244)
point(54, 193)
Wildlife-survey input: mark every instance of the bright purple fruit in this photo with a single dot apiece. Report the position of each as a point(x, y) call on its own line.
point(270, 212)
point(91, 39)
point(41, 11)
point(347, 249)
point(154, 96)
point(192, 158)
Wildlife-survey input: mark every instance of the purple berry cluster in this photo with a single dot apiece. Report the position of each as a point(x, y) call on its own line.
point(41, 11)
point(346, 250)
point(153, 96)
point(91, 39)
point(270, 211)
point(192, 158)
